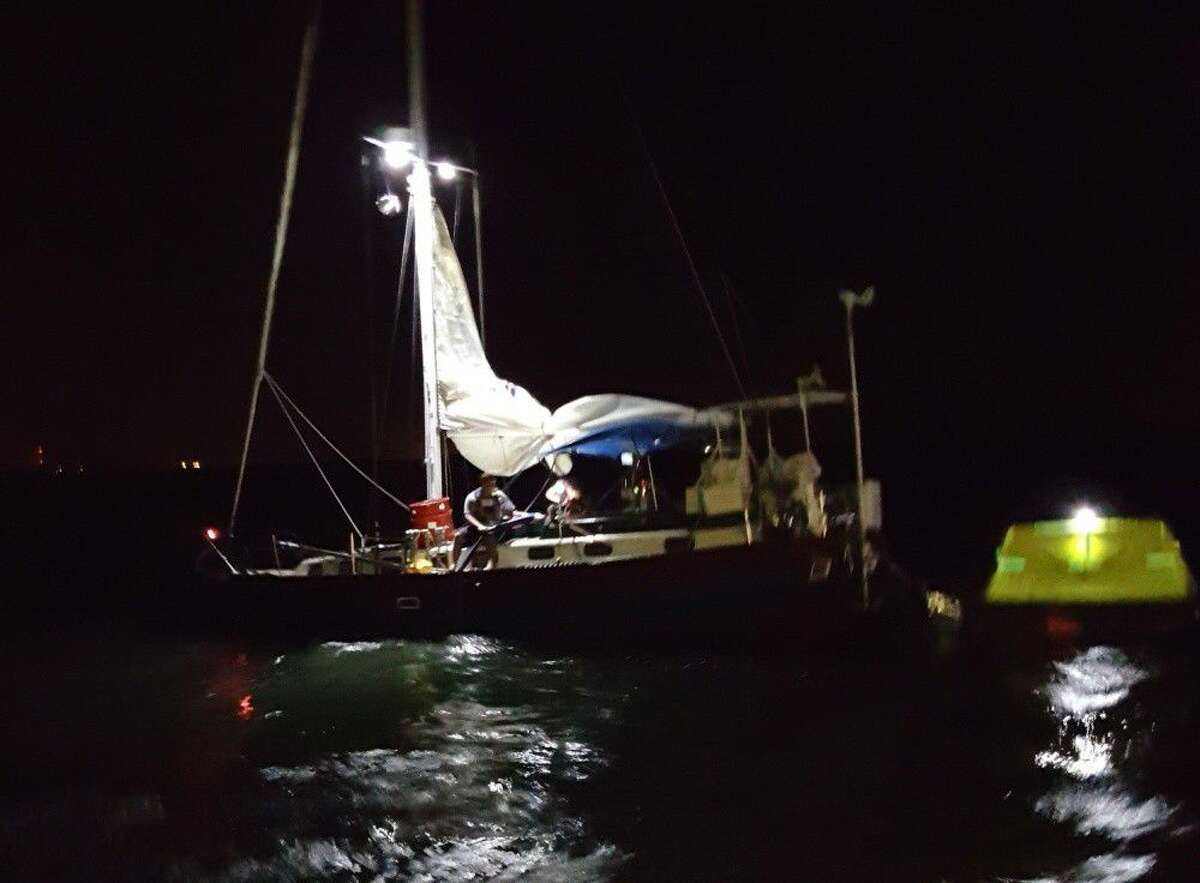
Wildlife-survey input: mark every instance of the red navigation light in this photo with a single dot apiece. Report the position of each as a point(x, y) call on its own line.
point(211, 534)
point(1062, 628)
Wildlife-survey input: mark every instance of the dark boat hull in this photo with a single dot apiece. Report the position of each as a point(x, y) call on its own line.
point(760, 593)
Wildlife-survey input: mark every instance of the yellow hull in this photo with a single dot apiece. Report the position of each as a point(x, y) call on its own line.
point(1113, 561)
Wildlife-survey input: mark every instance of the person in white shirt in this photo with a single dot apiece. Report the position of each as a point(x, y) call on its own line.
point(485, 508)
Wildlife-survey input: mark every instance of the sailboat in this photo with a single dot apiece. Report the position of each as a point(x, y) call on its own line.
point(755, 555)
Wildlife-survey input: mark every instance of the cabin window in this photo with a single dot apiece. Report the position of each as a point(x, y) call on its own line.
point(540, 553)
point(597, 549)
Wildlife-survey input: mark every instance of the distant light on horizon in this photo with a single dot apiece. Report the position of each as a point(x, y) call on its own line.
point(195, 464)
point(183, 464)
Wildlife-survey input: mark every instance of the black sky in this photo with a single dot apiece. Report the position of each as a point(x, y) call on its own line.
point(1019, 185)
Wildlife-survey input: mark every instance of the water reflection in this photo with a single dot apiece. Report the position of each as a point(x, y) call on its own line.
point(472, 758)
point(467, 784)
point(1088, 700)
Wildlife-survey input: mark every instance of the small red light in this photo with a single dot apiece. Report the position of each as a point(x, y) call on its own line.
point(1062, 628)
point(211, 534)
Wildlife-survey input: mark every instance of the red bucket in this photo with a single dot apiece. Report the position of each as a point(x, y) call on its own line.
point(432, 513)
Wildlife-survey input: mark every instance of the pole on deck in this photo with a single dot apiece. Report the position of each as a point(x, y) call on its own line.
point(850, 300)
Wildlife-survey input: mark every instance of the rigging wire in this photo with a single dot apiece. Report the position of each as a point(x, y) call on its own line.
point(414, 331)
point(308, 51)
point(391, 351)
point(278, 390)
point(303, 441)
point(662, 191)
point(737, 327)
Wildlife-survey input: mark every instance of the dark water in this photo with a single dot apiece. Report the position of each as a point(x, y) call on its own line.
point(138, 759)
point(131, 757)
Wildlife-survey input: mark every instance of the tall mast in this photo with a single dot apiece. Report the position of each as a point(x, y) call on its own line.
point(307, 51)
point(416, 81)
point(421, 197)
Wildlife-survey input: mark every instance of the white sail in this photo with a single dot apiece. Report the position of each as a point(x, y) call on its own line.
point(498, 426)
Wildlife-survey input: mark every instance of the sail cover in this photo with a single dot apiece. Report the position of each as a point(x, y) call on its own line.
point(499, 427)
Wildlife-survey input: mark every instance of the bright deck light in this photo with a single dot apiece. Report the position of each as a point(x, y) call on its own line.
point(1085, 520)
point(397, 154)
point(446, 171)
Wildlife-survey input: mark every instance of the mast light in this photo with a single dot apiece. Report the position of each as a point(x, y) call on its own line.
point(397, 154)
point(212, 534)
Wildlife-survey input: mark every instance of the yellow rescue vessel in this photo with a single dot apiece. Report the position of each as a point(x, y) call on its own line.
point(1090, 577)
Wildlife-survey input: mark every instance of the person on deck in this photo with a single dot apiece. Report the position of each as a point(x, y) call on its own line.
point(485, 508)
point(566, 500)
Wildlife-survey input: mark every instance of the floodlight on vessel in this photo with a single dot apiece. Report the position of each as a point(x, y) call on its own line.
point(1085, 520)
point(397, 154)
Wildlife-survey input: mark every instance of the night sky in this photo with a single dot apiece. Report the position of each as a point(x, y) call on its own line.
point(1019, 186)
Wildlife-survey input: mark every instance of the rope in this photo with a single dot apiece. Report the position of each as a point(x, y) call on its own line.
point(457, 207)
point(278, 390)
point(662, 191)
point(307, 52)
point(537, 496)
point(737, 327)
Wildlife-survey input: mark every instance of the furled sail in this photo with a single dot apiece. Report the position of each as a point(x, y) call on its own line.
point(498, 426)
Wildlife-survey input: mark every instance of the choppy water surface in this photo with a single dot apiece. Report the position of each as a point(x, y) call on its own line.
point(471, 759)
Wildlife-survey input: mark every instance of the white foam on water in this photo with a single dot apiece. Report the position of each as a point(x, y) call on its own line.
point(1106, 810)
point(340, 648)
point(1108, 868)
point(1091, 758)
point(481, 802)
point(1096, 679)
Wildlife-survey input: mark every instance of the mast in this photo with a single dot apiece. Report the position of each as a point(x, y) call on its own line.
point(307, 51)
point(421, 197)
